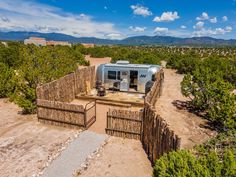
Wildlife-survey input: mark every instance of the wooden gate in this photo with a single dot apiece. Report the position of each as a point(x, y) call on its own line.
point(124, 123)
point(90, 114)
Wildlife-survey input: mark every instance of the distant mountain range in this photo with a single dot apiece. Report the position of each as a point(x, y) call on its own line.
point(137, 40)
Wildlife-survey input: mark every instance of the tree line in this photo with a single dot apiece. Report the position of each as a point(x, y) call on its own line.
point(24, 67)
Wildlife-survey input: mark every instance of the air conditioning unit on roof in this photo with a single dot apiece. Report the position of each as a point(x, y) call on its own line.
point(122, 62)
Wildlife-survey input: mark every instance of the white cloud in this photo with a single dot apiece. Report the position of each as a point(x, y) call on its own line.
point(183, 27)
point(213, 20)
point(115, 36)
point(161, 31)
point(224, 18)
point(167, 16)
point(32, 16)
point(170, 32)
point(212, 32)
point(199, 25)
point(137, 29)
point(228, 29)
point(204, 16)
point(141, 10)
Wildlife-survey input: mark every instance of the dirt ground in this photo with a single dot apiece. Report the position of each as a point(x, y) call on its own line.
point(187, 125)
point(100, 124)
point(25, 144)
point(97, 61)
point(119, 158)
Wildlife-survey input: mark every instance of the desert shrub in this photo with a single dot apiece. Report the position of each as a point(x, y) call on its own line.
point(141, 55)
point(184, 63)
point(225, 66)
point(212, 95)
point(41, 65)
point(7, 82)
point(185, 164)
point(216, 157)
point(220, 143)
point(174, 61)
point(9, 54)
point(23, 68)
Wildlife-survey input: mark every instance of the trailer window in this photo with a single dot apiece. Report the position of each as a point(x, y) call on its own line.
point(118, 75)
point(112, 75)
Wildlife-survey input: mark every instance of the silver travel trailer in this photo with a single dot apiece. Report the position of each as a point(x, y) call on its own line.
point(125, 76)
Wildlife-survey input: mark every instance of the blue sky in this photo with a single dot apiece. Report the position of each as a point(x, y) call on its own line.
point(117, 19)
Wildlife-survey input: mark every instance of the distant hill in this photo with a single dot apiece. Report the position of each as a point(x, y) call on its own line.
point(137, 40)
point(168, 40)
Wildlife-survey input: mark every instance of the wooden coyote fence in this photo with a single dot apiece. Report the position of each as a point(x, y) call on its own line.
point(157, 137)
point(124, 123)
point(156, 89)
point(66, 88)
point(66, 114)
point(53, 100)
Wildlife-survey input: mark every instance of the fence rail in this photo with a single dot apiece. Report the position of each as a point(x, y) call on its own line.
point(66, 114)
point(124, 123)
point(90, 114)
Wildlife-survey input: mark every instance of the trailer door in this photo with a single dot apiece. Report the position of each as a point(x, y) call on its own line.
point(124, 84)
point(133, 80)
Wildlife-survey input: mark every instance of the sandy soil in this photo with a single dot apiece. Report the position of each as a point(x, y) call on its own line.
point(187, 125)
point(101, 119)
point(25, 144)
point(97, 61)
point(119, 158)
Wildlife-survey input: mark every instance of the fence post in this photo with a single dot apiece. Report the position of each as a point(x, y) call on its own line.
point(141, 126)
point(107, 119)
point(85, 118)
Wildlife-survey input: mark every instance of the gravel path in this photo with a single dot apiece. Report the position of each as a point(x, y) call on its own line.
point(75, 155)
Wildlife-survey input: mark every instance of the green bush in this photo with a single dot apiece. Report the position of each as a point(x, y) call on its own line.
point(9, 54)
point(212, 95)
point(7, 81)
point(220, 143)
point(41, 65)
point(184, 63)
point(24, 67)
point(185, 164)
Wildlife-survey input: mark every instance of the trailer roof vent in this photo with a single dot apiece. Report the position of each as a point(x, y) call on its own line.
point(122, 62)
